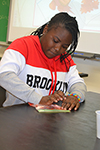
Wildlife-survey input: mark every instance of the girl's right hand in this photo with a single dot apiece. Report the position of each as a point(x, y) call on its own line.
point(50, 99)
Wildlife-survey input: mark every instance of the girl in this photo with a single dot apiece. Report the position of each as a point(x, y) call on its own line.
point(39, 68)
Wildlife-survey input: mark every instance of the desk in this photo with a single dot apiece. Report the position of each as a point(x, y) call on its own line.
point(23, 128)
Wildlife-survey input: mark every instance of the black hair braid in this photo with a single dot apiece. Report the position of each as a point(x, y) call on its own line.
point(67, 69)
point(71, 25)
point(39, 31)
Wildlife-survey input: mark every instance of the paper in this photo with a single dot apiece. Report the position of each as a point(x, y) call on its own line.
point(52, 111)
point(49, 108)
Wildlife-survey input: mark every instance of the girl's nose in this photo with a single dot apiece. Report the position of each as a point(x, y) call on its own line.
point(57, 47)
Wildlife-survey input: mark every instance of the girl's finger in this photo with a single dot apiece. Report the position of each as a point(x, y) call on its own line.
point(60, 95)
point(72, 106)
point(77, 106)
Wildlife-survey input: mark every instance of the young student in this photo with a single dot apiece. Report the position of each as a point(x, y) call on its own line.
point(39, 68)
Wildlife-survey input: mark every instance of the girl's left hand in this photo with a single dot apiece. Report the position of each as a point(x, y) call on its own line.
point(71, 102)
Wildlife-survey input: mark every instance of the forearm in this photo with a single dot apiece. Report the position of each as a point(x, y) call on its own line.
point(11, 82)
point(80, 89)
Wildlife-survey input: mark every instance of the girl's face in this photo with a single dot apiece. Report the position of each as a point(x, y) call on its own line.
point(55, 41)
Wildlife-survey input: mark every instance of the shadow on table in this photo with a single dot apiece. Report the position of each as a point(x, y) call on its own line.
point(97, 144)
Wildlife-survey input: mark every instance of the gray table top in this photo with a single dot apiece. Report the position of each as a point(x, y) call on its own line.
point(23, 128)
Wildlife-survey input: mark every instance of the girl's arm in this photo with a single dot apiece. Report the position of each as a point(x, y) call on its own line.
point(80, 89)
point(15, 86)
point(76, 84)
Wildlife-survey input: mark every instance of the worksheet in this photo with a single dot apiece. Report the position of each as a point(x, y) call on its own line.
point(49, 108)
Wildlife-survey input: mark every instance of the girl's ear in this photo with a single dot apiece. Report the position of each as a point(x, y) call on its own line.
point(45, 29)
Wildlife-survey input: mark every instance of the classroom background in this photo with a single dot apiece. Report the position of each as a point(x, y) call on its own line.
point(87, 60)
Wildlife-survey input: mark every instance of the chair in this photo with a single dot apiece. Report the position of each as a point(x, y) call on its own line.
point(83, 74)
point(2, 95)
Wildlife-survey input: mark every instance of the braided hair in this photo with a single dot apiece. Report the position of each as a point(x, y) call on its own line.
point(69, 23)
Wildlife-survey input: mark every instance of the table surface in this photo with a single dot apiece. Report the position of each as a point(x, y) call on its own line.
point(23, 128)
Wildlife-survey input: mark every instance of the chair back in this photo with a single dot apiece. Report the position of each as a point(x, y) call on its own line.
point(2, 96)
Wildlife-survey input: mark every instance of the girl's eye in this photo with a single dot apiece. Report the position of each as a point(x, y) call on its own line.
point(65, 47)
point(55, 40)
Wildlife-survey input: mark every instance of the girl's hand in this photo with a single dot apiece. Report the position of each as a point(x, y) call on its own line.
point(71, 102)
point(57, 96)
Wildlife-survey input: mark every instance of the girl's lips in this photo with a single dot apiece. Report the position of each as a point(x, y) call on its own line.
point(53, 53)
